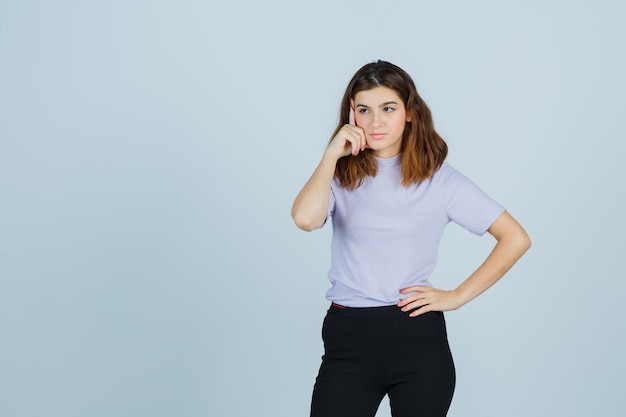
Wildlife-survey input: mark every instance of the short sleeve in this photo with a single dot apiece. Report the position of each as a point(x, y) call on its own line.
point(331, 205)
point(331, 202)
point(465, 203)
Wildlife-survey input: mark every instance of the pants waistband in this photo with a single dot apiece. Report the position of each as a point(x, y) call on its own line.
point(366, 312)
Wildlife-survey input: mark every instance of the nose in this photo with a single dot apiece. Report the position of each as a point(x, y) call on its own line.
point(377, 120)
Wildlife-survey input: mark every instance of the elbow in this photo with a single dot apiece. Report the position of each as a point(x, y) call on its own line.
point(508, 231)
point(528, 243)
point(523, 242)
point(306, 223)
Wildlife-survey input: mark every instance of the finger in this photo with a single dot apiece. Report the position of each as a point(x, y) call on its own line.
point(414, 305)
point(363, 139)
point(359, 137)
point(356, 146)
point(409, 303)
point(352, 122)
point(424, 309)
point(414, 288)
point(354, 141)
point(345, 139)
point(356, 138)
point(351, 119)
point(406, 301)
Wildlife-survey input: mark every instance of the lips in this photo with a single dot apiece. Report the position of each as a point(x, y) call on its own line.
point(377, 135)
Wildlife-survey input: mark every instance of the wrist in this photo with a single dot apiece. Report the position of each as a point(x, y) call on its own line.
point(331, 156)
point(461, 296)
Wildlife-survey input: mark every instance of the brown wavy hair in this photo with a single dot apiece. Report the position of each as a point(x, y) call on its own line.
point(423, 150)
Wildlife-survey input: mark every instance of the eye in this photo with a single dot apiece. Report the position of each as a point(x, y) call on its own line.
point(363, 111)
point(388, 109)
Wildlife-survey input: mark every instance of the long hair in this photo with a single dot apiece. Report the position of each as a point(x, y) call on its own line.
point(423, 150)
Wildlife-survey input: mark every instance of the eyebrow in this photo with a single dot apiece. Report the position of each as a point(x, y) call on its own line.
point(386, 103)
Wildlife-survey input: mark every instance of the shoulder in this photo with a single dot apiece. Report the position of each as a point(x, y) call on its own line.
point(452, 181)
point(447, 173)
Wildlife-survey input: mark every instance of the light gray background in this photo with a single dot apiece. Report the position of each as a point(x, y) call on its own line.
point(150, 152)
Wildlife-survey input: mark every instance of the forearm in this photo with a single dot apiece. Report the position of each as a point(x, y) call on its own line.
point(310, 207)
point(512, 243)
point(509, 248)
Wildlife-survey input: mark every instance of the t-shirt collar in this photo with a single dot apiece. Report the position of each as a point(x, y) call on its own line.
point(388, 163)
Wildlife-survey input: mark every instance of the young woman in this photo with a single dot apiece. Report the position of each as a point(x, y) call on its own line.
point(383, 182)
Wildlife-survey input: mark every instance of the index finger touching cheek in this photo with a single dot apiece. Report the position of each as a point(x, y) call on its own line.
point(351, 117)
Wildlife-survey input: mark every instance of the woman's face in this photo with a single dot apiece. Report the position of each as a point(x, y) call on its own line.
point(381, 114)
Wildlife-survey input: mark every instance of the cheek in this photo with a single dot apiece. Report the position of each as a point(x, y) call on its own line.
point(401, 121)
point(397, 123)
point(360, 119)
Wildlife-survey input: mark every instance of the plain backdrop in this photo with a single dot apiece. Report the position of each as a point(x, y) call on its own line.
point(150, 152)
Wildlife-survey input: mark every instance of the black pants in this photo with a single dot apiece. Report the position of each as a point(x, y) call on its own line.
point(370, 352)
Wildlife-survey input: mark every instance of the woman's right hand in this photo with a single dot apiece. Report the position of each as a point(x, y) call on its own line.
point(349, 140)
point(310, 208)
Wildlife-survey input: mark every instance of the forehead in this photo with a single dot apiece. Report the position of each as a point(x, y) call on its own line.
point(377, 95)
